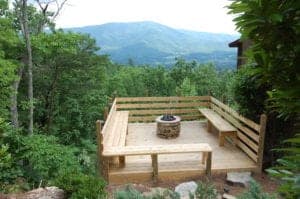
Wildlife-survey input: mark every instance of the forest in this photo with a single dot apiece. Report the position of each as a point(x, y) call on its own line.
point(54, 86)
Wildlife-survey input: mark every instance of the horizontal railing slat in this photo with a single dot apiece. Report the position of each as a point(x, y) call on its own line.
point(246, 149)
point(249, 142)
point(164, 111)
point(236, 123)
point(162, 105)
point(232, 112)
point(152, 99)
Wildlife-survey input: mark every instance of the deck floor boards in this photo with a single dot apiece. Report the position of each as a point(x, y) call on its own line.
point(138, 168)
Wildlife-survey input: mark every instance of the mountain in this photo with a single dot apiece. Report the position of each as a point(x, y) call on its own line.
point(153, 43)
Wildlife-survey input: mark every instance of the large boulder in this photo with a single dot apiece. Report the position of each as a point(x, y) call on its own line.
point(185, 189)
point(239, 178)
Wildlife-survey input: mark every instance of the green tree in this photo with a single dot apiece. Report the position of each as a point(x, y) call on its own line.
point(187, 88)
point(274, 29)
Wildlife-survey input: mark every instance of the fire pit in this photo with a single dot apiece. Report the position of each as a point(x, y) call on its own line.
point(168, 126)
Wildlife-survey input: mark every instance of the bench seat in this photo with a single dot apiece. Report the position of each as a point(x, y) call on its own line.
point(116, 134)
point(224, 127)
point(154, 151)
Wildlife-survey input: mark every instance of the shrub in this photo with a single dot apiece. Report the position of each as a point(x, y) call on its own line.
point(206, 190)
point(288, 169)
point(45, 158)
point(80, 186)
point(255, 192)
point(166, 194)
point(128, 192)
point(9, 171)
point(248, 93)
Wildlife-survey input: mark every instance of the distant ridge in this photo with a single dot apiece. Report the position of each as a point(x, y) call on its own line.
point(153, 43)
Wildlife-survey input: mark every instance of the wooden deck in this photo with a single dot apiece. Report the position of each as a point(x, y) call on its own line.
point(178, 166)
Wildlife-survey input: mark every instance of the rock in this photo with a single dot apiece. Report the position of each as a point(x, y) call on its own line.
point(41, 193)
point(184, 189)
point(238, 178)
point(226, 189)
point(227, 196)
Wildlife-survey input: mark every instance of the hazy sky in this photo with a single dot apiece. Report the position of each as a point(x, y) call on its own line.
point(200, 15)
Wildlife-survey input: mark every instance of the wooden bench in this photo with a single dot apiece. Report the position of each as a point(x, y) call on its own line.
point(154, 151)
point(224, 127)
point(116, 133)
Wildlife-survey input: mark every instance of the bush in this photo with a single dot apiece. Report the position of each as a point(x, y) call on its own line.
point(288, 169)
point(128, 192)
point(45, 158)
point(131, 192)
point(255, 192)
point(206, 190)
point(248, 93)
point(9, 171)
point(80, 186)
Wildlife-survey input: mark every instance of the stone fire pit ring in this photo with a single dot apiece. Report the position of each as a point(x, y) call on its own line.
point(168, 129)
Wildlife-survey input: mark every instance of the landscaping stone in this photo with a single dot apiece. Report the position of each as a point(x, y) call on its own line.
point(238, 178)
point(40, 193)
point(228, 196)
point(184, 189)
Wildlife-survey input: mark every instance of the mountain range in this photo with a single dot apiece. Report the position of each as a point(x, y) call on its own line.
point(153, 43)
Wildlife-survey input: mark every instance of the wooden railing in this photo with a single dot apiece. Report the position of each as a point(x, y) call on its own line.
point(146, 109)
point(250, 134)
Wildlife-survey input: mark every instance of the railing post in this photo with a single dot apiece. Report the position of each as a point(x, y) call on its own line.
point(105, 113)
point(208, 163)
point(99, 138)
point(155, 167)
point(261, 143)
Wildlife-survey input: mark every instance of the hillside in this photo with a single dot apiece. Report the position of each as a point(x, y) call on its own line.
point(153, 43)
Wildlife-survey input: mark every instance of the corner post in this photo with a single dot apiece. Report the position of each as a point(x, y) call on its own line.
point(105, 113)
point(261, 143)
point(99, 136)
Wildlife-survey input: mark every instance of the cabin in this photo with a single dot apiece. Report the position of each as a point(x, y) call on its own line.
point(205, 138)
point(241, 46)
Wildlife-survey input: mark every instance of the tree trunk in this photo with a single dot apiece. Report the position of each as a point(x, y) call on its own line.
point(14, 99)
point(26, 34)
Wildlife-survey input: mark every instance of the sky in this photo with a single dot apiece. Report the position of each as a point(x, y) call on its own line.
point(198, 15)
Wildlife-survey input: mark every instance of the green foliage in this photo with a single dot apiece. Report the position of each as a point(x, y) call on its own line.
point(288, 170)
point(46, 158)
point(187, 88)
point(9, 167)
point(273, 28)
point(165, 194)
point(8, 51)
point(128, 192)
point(9, 172)
point(255, 192)
point(206, 190)
point(78, 185)
point(248, 93)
